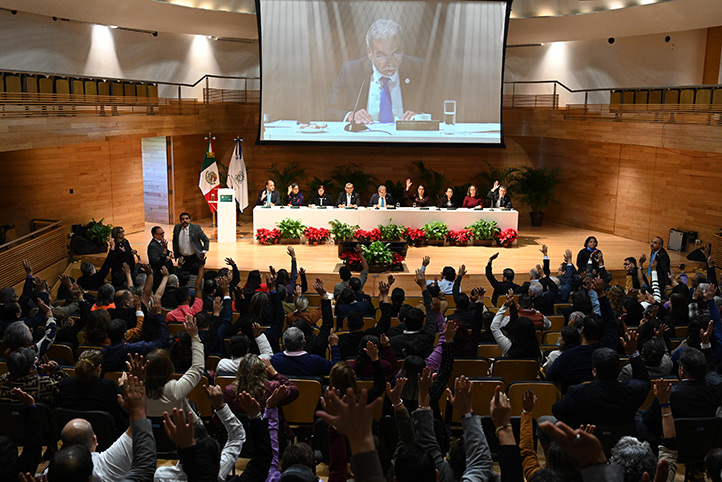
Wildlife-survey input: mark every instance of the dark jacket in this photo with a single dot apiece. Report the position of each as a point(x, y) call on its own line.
point(275, 197)
point(96, 280)
point(355, 198)
point(500, 287)
point(115, 356)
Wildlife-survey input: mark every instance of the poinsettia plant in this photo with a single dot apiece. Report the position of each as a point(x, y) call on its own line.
point(317, 235)
point(414, 235)
point(267, 236)
point(351, 259)
point(507, 236)
point(459, 236)
point(367, 236)
point(396, 260)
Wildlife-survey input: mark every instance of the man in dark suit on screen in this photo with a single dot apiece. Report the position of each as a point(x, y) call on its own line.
point(189, 241)
point(388, 81)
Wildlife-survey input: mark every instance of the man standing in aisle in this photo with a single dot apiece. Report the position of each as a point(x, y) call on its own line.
point(190, 242)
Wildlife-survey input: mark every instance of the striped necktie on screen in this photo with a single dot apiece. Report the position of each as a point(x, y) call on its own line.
point(386, 113)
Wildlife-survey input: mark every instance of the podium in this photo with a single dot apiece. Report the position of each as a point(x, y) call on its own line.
point(226, 216)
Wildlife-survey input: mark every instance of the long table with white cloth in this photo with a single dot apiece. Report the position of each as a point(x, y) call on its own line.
point(369, 218)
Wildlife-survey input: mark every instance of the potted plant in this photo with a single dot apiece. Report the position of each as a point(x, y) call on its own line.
point(397, 262)
point(391, 232)
point(315, 236)
point(351, 259)
point(535, 187)
point(90, 238)
point(290, 230)
point(436, 233)
point(365, 236)
point(414, 236)
point(378, 255)
point(484, 232)
point(459, 237)
point(507, 237)
point(341, 231)
point(267, 236)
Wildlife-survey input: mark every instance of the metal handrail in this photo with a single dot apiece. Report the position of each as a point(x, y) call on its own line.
point(32, 234)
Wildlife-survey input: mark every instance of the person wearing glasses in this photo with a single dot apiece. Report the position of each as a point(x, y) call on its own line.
point(386, 81)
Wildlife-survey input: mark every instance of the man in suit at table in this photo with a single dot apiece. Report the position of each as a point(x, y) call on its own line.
point(269, 196)
point(498, 197)
point(348, 198)
point(386, 82)
point(189, 241)
point(381, 199)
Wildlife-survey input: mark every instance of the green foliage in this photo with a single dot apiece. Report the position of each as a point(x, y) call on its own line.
point(290, 228)
point(391, 231)
point(436, 230)
point(342, 231)
point(363, 183)
point(328, 184)
point(378, 253)
point(96, 232)
point(434, 182)
point(460, 192)
point(484, 230)
point(505, 176)
point(285, 176)
point(396, 189)
point(535, 187)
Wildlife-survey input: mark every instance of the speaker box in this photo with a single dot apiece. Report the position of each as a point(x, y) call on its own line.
point(677, 240)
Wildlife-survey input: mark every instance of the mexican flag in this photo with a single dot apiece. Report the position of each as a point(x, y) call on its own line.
point(209, 176)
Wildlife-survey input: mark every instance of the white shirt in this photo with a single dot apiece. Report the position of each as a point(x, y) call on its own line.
point(112, 464)
point(374, 101)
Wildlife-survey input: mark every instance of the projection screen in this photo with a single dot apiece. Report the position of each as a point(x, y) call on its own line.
point(382, 71)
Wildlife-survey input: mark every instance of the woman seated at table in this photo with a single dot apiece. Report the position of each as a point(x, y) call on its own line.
point(448, 200)
point(321, 198)
point(472, 198)
point(295, 196)
point(418, 199)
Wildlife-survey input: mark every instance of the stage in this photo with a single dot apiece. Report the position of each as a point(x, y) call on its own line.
point(322, 261)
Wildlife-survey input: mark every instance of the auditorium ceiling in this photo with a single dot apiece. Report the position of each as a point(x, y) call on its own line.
point(533, 21)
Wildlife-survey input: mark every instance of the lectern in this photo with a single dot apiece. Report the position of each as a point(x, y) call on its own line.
point(226, 216)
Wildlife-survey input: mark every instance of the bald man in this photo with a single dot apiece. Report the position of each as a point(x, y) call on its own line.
point(110, 465)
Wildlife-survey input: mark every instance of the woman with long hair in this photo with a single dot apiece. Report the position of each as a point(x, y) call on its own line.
point(523, 341)
point(448, 200)
point(472, 199)
point(590, 247)
point(124, 253)
point(163, 392)
point(88, 391)
point(258, 378)
point(419, 198)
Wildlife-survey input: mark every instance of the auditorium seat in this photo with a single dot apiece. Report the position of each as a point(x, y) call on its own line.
point(102, 422)
point(30, 84)
point(558, 307)
point(515, 370)
point(655, 96)
point(153, 91)
point(695, 436)
point(368, 384)
point(128, 89)
point(628, 97)
point(13, 84)
point(45, 85)
point(615, 97)
point(62, 85)
point(103, 87)
point(641, 97)
point(558, 322)
point(223, 382)
point(116, 89)
point(717, 96)
point(141, 90)
point(301, 411)
point(90, 86)
point(61, 353)
point(489, 350)
point(703, 97)
point(547, 394)
point(76, 87)
point(671, 96)
point(212, 362)
point(11, 420)
point(175, 328)
point(482, 391)
point(470, 368)
point(686, 96)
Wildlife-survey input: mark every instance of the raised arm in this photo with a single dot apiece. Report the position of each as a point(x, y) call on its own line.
point(456, 289)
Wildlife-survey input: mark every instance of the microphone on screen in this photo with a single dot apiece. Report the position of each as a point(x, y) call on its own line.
point(353, 126)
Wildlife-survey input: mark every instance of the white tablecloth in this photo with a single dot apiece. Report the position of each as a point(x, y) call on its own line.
point(369, 218)
point(463, 132)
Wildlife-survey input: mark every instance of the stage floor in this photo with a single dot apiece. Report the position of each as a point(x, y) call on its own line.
point(323, 262)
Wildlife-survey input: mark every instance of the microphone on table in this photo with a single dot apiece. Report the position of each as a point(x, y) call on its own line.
point(353, 126)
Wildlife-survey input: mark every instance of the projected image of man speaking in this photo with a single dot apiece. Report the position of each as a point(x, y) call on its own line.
point(386, 82)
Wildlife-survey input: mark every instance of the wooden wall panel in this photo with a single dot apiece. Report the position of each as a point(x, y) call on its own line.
point(634, 197)
point(155, 179)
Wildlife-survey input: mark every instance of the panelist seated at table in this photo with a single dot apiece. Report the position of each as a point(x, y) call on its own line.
point(386, 82)
point(498, 197)
point(320, 198)
point(448, 200)
point(381, 199)
point(269, 196)
point(295, 196)
point(348, 198)
point(417, 198)
point(472, 199)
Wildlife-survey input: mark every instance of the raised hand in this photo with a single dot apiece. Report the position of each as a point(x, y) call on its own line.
point(450, 329)
point(137, 366)
point(270, 370)
point(23, 397)
point(420, 279)
point(390, 280)
point(257, 330)
point(136, 303)
point(230, 262)
point(462, 271)
point(383, 289)
point(642, 259)
point(384, 340)
point(353, 418)
point(163, 271)
point(493, 256)
point(426, 261)
point(544, 249)
point(178, 430)
point(27, 267)
point(332, 338)
point(271, 277)
point(584, 447)
point(223, 285)
point(462, 398)
point(568, 256)
point(528, 400)
point(661, 331)
point(318, 286)
point(190, 326)
point(276, 397)
point(133, 401)
point(45, 308)
point(249, 404)
point(291, 252)
point(215, 395)
point(500, 408)
point(372, 351)
point(705, 335)
point(111, 243)
point(598, 286)
point(662, 390)
point(509, 298)
point(302, 271)
point(630, 344)
point(424, 384)
point(539, 271)
point(394, 394)
point(156, 306)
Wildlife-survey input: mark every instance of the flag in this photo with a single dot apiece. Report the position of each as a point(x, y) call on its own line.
point(209, 176)
point(237, 177)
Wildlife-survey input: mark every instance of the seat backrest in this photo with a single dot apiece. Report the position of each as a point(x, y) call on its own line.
point(489, 350)
point(703, 97)
point(63, 354)
point(174, 328)
point(628, 97)
point(12, 422)
point(62, 86)
point(164, 446)
point(30, 84)
point(558, 307)
point(671, 96)
point(557, 322)
point(223, 382)
point(368, 384)
point(91, 87)
point(103, 88)
point(212, 362)
point(686, 96)
point(547, 394)
point(102, 422)
point(301, 411)
point(141, 90)
point(615, 97)
point(609, 435)
point(13, 84)
point(469, 367)
point(695, 436)
point(550, 337)
point(655, 97)
point(515, 370)
point(641, 96)
point(482, 390)
point(76, 87)
point(45, 85)
point(153, 91)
